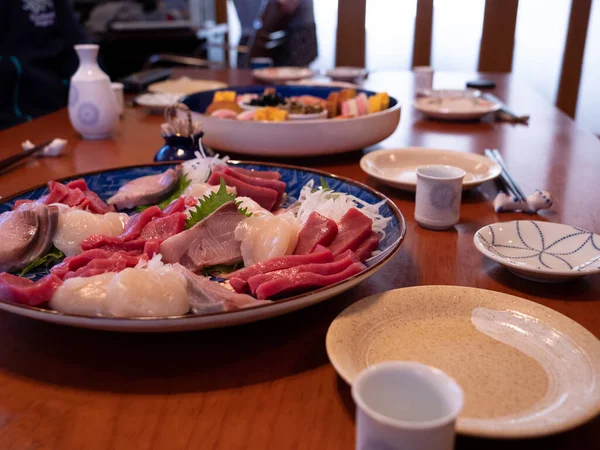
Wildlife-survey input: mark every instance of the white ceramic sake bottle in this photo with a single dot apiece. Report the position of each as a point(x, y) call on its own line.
point(93, 109)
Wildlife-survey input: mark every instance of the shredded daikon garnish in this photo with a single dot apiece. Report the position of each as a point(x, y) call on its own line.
point(334, 205)
point(153, 264)
point(198, 169)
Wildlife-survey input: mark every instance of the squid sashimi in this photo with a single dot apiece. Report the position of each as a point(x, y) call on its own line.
point(86, 296)
point(76, 225)
point(147, 293)
point(251, 207)
point(263, 238)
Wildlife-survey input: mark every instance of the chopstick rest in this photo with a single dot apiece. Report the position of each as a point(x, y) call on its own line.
point(53, 149)
point(535, 202)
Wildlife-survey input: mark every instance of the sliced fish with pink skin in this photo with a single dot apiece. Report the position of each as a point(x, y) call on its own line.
point(208, 243)
point(145, 190)
point(29, 249)
point(18, 230)
point(208, 297)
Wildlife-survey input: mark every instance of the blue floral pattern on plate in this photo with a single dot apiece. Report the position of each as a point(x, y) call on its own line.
point(106, 184)
point(541, 246)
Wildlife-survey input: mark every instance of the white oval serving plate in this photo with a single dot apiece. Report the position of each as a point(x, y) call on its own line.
point(526, 370)
point(454, 105)
point(541, 251)
point(157, 102)
point(185, 86)
point(345, 73)
point(397, 167)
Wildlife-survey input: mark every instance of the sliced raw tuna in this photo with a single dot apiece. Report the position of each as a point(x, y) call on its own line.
point(346, 259)
point(239, 278)
point(278, 185)
point(111, 243)
point(137, 222)
point(78, 184)
point(209, 297)
point(265, 197)
point(164, 227)
point(367, 247)
point(96, 267)
point(57, 193)
point(27, 292)
point(208, 243)
point(95, 204)
point(73, 263)
point(18, 231)
point(317, 230)
point(354, 227)
point(75, 194)
point(145, 190)
point(152, 247)
point(302, 282)
point(266, 174)
point(176, 206)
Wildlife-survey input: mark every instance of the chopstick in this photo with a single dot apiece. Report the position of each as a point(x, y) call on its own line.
point(5, 163)
point(495, 155)
point(504, 109)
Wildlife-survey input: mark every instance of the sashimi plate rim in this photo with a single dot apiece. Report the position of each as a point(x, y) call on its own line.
point(182, 322)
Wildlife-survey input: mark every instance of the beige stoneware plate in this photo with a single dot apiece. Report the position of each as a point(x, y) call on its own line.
point(397, 167)
point(526, 370)
point(185, 86)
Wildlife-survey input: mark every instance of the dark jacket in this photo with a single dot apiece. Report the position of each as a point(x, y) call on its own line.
point(37, 57)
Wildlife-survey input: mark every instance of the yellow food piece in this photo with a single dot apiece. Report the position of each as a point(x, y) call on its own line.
point(271, 114)
point(224, 96)
point(378, 102)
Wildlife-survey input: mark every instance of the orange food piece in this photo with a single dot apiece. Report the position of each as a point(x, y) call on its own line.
point(233, 106)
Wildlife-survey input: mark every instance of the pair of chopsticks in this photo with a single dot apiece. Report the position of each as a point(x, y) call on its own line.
point(504, 109)
point(5, 163)
point(511, 185)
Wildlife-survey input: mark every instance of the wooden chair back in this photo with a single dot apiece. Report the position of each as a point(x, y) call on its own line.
point(497, 41)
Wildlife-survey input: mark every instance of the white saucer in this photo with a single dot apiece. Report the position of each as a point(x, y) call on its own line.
point(324, 83)
point(455, 104)
point(157, 102)
point(541, 251)
point(397, 167)
point(282, 74)
point(349, 74)
point(185, 86)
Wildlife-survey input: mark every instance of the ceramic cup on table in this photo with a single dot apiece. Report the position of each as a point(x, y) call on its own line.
point(117, 89)
point(438, 196)
point(93, 109)
point(405, 405)
point(422, 79)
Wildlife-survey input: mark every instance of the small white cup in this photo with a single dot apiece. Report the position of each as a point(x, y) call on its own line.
point(438, 196)
point(423, 79)
point(403, 405)
point(117, 89)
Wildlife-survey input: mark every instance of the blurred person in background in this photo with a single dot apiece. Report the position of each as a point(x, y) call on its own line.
point(295, 17)
point(37, 57)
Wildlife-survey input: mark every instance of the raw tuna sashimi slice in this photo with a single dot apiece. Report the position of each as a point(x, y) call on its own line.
point(164, 227)
point(265, 197)
point(27, 292)
point(353, 228)
point(267, 174)
point(278, 185)
point(368, 246)
point(317, 230)
point(302, 282)
point(137, 222)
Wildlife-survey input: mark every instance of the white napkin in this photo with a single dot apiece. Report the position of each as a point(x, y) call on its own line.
point(537, 201)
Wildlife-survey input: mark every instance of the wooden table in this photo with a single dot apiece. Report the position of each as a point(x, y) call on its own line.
point(269, 385)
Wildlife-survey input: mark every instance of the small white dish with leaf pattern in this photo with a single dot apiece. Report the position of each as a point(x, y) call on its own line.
point(541, 251)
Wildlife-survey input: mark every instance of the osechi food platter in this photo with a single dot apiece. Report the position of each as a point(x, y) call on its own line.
point(208, 243)
point(294, 120)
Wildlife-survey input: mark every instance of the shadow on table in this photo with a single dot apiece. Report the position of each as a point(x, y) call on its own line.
point(180, 362)
point(574, 290)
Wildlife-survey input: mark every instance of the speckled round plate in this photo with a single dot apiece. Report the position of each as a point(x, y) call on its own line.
point(526, 370)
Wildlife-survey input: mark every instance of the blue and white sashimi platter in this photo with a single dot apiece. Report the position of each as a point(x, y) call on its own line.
point(293, 137)
point(106, 183)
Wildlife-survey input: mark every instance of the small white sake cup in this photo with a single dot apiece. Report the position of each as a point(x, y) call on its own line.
point(422, 80)
point(438, 196)
point(403, 405)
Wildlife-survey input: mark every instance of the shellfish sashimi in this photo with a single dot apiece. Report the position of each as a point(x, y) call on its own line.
point(267, 237)
point(250, 206)
point(85, 296)
point(147, 293)
point(145, 190)
point(76, 225)
point(18, 230)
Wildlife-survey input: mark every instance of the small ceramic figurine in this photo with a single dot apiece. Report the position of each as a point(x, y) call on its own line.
point(535, 202)
point(93, 109)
